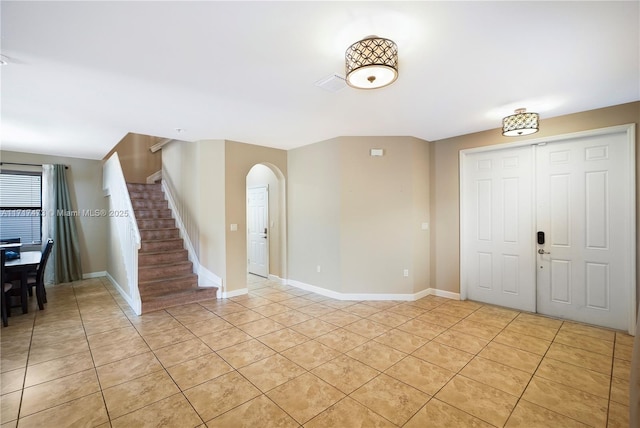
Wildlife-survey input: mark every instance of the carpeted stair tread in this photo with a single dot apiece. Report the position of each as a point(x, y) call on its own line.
point(160, 245)
point(180, 298)
point(165, 256)
point(165, 274)
point(166, 285)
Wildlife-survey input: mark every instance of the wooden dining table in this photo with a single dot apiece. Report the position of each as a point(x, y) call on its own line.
point(27, 262)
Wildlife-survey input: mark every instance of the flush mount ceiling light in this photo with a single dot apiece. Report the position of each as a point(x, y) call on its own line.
point(520, 123)
point(371, 63)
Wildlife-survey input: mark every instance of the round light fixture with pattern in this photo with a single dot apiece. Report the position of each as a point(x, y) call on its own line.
point(520, 123)
point(371, 63)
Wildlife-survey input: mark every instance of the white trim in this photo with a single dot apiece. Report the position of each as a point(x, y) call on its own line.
point(135, 306)
point(157, 146)
point(232, 293)
point(154, 177)
point(446, 294)
point(277, 279)
point(630, 130)
point(94, 275)
point(462, 222)
point(371, 296)
point(206, 278)
point(632, 218)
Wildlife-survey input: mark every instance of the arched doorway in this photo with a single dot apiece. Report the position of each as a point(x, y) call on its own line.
point(266, 221)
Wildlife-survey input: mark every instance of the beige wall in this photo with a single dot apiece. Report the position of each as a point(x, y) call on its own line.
point(261, 175)
point(359, 217)
point(136, 159)
point(85, 188)
point(116, 266)
point(195, 174)
point(314, 215)
point(445, 248)
point(421, 152)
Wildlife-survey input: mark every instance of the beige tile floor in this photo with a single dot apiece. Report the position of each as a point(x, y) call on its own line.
point(283, 357)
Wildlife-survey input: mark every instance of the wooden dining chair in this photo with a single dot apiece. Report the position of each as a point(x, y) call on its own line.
point(37, 281)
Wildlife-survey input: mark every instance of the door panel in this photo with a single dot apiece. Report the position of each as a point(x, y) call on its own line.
point(583, 207)
point(498, 228)
point(257, 221)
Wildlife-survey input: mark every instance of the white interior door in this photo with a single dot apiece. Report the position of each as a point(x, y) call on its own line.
point(583, 209)
point(497, 228)
point(258, 232)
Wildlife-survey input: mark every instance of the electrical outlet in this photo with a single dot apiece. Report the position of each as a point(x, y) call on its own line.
point(406, 272)
point(318, 268)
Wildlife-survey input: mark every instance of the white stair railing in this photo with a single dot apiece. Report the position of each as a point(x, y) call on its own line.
point(124, 230)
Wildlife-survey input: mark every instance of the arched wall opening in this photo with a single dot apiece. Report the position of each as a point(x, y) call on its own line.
point(266, 178)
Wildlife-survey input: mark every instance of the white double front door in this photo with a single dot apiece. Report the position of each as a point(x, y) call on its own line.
point(549, 228)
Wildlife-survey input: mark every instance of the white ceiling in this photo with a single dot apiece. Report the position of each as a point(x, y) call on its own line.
point(83, 74)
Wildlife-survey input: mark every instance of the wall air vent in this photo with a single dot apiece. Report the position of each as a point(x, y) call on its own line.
point(332, 83)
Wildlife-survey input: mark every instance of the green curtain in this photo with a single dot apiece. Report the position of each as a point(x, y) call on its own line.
point(66, 244)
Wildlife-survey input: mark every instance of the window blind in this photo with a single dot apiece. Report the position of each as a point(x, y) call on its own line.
point(20, 206)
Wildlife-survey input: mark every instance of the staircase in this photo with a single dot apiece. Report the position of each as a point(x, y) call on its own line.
point(165, 274)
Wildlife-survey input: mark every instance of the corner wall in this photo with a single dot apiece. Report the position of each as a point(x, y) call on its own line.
point(136, 159)
point(360, 217)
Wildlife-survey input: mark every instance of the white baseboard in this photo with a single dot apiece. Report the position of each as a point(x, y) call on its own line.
point(423, 293)
point(276, 279)
point(206, 278)
point(137, 308)
point(232, 293)
point(154, 177)
point(371, 296)
point(94, 275)
point(443, 293)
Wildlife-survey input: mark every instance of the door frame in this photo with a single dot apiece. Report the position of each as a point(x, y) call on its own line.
point(630, 130)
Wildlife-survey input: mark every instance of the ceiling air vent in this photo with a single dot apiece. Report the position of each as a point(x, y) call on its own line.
point(332, 83)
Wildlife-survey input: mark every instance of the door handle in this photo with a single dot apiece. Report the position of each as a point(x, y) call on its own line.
point(541, 251)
